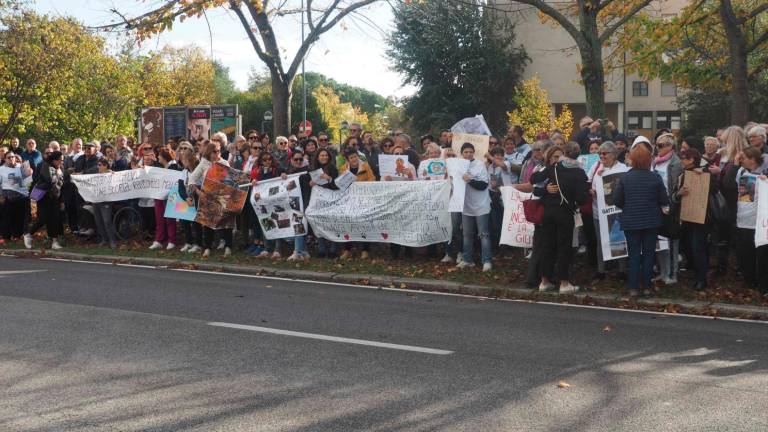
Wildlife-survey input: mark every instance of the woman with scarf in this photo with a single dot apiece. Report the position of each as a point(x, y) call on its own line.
point(211, 155)
point(566, 190)
point(298, 166)
point(668, 166)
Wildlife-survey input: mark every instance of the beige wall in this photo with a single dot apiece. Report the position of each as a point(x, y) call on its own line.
point(554, 58)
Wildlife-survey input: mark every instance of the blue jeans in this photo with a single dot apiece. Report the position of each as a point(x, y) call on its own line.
point(641, 250)
point(471, 224)
point(300, 245)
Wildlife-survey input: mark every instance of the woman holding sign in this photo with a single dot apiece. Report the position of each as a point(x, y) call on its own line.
point(267, 168)
point(753, 262)
point(323, 172)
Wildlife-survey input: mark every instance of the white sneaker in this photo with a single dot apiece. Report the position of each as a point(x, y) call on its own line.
point(185, 248)
point(543, 287)
point(28, 241)
point(459, 258)
point(582, 250)
point(170, 246)
point(487, 267)
point(529, 254)
point(87, 232)
point(221, 245)
point(194, 249)
point(227, 252)
point(206, 253)
point(669, 281)
point(263, 254)
point(463, 265)
point(155, 245)
point(568, 289)
point(446, 259)
point(276, 255)
point(55, 245)
point(294, 257)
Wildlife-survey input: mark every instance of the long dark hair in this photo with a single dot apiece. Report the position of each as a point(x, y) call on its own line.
point(329, 168)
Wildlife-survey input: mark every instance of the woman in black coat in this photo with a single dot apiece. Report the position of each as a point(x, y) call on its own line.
point(567, 189)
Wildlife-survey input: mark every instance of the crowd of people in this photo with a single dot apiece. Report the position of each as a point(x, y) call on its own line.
point(649, 194)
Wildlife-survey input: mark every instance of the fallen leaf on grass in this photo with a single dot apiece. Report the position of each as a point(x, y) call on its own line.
point(563, 385)
point(403, 286)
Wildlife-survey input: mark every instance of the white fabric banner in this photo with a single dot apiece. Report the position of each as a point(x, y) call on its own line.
point(456, 168)
point(406, 213)
point(147, 182)
point(279, 208)
point(761, 224)
point(515, 229)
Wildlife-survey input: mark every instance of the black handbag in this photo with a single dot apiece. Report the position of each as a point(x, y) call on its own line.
point(670, 223)
point(717, 208)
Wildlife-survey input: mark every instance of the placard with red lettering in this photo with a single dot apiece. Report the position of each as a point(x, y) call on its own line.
point(516, 231)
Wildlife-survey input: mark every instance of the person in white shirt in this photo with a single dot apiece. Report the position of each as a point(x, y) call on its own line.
point(477, 209)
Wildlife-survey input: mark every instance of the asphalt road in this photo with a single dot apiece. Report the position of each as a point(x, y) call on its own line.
point(87, 347)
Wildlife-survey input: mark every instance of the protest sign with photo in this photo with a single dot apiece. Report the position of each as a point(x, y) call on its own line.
point(395, 166)
point(456, 168)
point(479, 141)
point(222, 197)
point(432, 169)
point(174, 123)
point(345, 180)
point(279, 208)
point(406, 213)
point(587, 162)
point(761, 225)
point(316, 176)
point(146, 182)
point(178, 208)
point(199, 123)
point(515, 229)
point(693, 207)
point(612, 239)
point(151, 126)
point(227, 175)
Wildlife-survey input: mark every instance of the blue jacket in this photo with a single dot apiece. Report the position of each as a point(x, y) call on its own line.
point(640, 194)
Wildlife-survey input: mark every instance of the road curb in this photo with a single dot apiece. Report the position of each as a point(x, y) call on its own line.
point(690, 307)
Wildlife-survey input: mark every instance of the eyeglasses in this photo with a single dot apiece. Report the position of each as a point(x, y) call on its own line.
point(387, 145)
point(322, 139)
point(217, 151)
point(298, 159)
point(604, 153)
point(493, 142)
point(255, 147)
point(253, 137)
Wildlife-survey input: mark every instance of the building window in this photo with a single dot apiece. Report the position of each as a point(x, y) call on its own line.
point(668, 89)
point(668, 120)
point(640, 120)
point(639, 88)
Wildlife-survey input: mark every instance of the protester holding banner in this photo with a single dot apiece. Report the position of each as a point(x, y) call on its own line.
point(324, 161)
point(47, 182)
point(753, 262)
point(300, 251)
point(363, 173)
point(193, 231)
point(14, 201)
point(642, 196)
point(567, 189)
point(211, 154)
point(267, 168)
point(500, 175)
point(608, 165)
point(102, 213)
point(165, 228)
point(668, 166)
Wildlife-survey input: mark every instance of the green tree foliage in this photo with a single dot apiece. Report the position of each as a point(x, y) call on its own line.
point(705, 108)
point(461, 57)
point(223, 85)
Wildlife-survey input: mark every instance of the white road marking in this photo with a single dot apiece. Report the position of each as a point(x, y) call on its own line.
point(14, 272)
point(434, 293)
point(332, 338)
point(103, 263)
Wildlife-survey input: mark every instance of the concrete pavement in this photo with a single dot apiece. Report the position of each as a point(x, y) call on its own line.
point(102, 347)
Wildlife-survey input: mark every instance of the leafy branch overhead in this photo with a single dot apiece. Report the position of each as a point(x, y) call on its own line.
point(257, 19)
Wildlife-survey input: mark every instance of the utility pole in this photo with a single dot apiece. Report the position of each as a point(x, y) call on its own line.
point(303, 76)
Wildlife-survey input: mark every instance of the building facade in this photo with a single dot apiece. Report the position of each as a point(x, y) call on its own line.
point(634, 105)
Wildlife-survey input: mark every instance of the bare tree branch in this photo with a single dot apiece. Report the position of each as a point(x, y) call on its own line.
point(247, 26)
point(757, 42)
point(755, 12)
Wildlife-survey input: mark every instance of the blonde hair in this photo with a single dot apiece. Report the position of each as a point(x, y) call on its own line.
point(734, 142)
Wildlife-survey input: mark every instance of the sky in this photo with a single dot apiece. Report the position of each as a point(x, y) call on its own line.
point(353, 52)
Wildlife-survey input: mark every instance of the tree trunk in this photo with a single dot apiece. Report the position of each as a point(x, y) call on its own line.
point(737, 48)
point(281, 105)
point(592, 73)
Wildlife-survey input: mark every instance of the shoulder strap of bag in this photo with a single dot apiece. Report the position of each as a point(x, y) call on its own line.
point(562, 197)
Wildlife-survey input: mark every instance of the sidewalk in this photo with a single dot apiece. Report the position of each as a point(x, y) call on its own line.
point(517, 292)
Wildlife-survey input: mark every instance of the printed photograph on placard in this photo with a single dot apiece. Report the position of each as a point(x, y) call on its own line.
point(199, 123)
point(232, 199)
point(747, 188)
point(616, 236)
point(609, 184)
point(227, 175)
point(152, 126)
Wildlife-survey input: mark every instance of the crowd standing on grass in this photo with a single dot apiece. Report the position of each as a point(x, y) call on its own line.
point(649, 194)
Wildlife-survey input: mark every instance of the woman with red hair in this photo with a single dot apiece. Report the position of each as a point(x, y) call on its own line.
point(642, 197)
